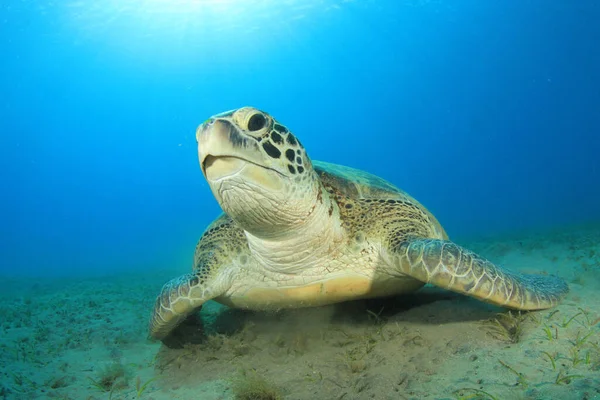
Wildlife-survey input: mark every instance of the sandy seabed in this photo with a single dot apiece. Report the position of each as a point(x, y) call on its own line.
point(86, 339)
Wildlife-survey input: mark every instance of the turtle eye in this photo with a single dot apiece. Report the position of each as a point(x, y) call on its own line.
point(256, 122)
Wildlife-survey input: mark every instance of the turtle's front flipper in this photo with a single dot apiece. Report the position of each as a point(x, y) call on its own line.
point(214, 257)
point(447, 265)
point(178, 298)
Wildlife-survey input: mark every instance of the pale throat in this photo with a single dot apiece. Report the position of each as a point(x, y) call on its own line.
point(304, 245)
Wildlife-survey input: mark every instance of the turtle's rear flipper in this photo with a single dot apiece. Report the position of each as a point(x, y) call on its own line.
point(447, 265)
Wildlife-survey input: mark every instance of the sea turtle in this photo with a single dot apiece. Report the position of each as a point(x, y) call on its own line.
point(299, 233)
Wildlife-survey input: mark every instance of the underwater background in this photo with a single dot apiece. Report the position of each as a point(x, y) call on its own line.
point(487, 112)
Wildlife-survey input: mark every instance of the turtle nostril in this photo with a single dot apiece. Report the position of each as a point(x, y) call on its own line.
point(256, 122)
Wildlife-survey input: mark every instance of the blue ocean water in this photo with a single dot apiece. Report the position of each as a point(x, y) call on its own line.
point(488, 112)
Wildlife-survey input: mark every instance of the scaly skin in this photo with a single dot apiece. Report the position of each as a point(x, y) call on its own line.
point(447, 265)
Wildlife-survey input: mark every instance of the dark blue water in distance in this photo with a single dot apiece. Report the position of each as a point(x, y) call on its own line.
point(488, 112)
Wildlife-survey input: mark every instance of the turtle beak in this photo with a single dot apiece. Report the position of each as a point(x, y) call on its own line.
point(214, 139)
point(220, 142)
point(203, 163)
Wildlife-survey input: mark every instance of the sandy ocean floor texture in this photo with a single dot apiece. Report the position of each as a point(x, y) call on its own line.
point(86, 339)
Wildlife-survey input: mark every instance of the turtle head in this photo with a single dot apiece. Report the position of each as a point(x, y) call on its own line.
point(257, 170)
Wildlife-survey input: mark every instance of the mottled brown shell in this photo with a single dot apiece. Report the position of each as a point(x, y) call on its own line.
point(357, 184)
